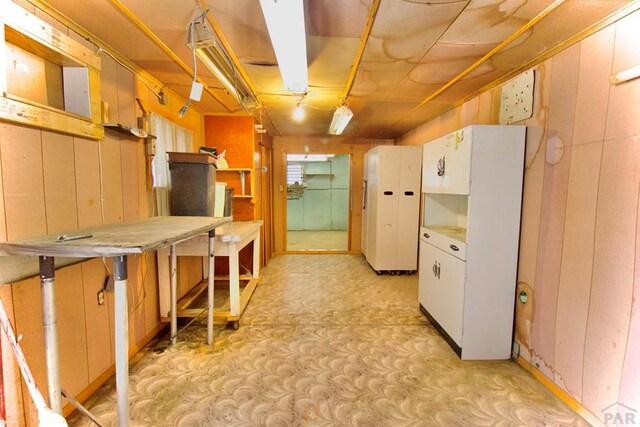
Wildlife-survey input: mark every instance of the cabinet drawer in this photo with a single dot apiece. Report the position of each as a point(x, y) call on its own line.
point(448, 244)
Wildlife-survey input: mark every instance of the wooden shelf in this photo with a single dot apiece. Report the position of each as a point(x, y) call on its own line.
point(128, 130)
point(240, 196)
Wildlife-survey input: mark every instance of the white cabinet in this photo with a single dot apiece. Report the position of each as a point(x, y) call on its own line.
point(472, 191)
point(391, 207)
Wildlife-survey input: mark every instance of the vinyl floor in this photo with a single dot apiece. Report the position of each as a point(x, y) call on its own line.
point(325, 341)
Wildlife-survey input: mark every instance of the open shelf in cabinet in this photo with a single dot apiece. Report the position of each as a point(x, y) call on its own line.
point(446, 214)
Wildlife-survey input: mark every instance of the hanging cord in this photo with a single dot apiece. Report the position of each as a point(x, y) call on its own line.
point(46, 416)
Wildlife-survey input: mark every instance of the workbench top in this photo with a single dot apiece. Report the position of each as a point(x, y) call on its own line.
point(116, 239)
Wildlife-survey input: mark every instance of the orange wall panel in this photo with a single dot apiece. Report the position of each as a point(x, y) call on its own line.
point(111, 176)
point(87, 161)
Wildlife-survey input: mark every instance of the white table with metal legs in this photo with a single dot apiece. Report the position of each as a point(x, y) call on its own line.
point(116, 241)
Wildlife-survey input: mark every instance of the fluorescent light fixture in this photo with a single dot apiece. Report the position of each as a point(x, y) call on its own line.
point(341, 118)
point(298, 113)
point(206, 59)
point(285, 23)
point(626, 75)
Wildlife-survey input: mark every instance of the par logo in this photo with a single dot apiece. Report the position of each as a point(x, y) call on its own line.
point(618, 414)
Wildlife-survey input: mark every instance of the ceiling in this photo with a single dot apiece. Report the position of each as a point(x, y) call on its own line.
point(412, 59)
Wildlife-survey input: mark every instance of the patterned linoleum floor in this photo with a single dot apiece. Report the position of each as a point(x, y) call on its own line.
point(325, 341)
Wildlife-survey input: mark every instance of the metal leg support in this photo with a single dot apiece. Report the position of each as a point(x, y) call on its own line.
point(210, 287)
point(122, 339)
point(47, 271)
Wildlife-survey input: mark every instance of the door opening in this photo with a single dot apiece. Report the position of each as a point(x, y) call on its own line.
point(318, 187)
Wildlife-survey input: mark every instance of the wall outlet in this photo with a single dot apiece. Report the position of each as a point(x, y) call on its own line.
point(100, 297)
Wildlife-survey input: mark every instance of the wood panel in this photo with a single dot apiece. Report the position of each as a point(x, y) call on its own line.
point(99, 350)
point(11, 382)
point(111, 177)
point(623, 114)
point(87, 161)
point(130, 174)
point(577, 259)
point(3, 222)
point(72, 339)
point(23, 182)
point(135, 293)
point(630, 386)
point(554, 200)
point(578, 244)
point(109, 88)
point(125, 87)
point(151, 305)
point(27, 305)
point(593, 86)
point(59, 182)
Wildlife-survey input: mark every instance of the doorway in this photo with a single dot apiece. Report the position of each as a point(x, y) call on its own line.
point(318, 202)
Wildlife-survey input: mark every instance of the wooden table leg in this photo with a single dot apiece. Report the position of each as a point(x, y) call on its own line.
point(234, 280)
point(121, 316)
point(47, 273)
point(173, 268)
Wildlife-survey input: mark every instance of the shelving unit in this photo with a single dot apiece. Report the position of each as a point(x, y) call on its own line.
point(472, 191)
point(239, 182)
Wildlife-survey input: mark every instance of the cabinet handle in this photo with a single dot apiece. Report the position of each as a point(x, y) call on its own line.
point(454, 247)
point(388, 193)
point(436, 269)
point(408, 193)
point(441, 166)
point(426, 236)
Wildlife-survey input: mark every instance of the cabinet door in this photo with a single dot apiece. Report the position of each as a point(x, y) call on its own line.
point(446, 163)
point(457, 160)
point(432, 153)
point(441, 288)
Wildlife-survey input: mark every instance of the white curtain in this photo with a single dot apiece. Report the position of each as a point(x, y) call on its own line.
point(170, 137)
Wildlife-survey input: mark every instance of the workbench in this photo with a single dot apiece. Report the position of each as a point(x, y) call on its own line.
point(116, 241)
point(230, 240)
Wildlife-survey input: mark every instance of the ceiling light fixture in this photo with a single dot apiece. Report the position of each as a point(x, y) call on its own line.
point(216, 59)
point(298, 113)
point(341, 118)
point(285, 23)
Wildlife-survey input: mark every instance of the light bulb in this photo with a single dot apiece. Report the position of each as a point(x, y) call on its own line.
point(298, 113)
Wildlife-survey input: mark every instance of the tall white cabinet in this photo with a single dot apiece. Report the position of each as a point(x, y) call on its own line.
point(391, 207)
point(469, 234)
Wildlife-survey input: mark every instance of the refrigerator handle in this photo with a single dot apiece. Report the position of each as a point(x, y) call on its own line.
point(364, 196)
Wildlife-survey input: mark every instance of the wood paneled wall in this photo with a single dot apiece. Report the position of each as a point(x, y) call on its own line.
point(334, 145)
point(580, 233)
point(51, 182)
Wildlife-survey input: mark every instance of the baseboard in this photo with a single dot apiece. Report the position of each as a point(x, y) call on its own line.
point(569, 400)
point(106, 375)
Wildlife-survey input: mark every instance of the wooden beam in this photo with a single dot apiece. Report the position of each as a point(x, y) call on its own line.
point(553, 6)
point(373, 11)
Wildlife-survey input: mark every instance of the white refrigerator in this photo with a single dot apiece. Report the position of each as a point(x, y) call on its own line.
point(391, 208)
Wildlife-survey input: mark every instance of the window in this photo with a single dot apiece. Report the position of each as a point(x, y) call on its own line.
point(295, 174)
point(170, 137)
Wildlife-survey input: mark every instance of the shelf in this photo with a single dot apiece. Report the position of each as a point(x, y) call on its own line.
point(234, 170)
point(240, 196)
point(128, 130)
point(456, 233)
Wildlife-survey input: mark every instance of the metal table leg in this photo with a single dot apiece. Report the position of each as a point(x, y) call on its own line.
point(210, 287)
point(121, 317)
point(174, 293)
point(47, 272)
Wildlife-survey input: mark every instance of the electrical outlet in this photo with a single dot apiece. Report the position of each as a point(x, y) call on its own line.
point(100, 296)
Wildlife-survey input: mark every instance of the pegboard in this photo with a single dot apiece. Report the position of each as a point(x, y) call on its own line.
point(516, 103)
